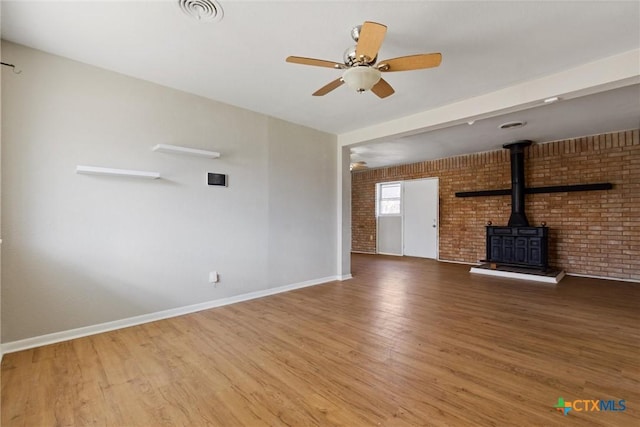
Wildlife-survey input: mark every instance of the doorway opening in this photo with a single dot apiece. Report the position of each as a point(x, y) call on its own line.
point(407, 218)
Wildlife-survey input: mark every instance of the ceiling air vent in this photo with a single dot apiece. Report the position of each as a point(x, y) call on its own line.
point(202, 10)
point(512, 125)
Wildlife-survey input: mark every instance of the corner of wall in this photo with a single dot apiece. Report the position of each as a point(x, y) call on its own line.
point(344, 212)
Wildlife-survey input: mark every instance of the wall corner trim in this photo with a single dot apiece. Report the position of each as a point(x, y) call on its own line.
point(56, 337)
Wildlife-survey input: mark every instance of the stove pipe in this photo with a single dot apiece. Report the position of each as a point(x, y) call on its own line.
point(518, 217)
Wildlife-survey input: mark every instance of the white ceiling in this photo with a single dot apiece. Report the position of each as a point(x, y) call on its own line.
point(486, 47)
point(608, 111)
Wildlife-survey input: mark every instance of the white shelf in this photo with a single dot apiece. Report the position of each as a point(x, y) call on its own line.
point(176, 149)
point(95, 170)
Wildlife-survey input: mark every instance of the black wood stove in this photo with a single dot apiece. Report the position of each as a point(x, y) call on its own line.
point(518, 244)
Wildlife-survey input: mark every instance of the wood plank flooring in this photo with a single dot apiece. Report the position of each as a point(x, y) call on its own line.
point(407, 342)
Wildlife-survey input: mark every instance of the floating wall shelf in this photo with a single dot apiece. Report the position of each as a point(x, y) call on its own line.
point(95, 170)
point(176, 149)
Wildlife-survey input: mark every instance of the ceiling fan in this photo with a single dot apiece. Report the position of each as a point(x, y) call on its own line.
point(358, 166)
point(360, 69)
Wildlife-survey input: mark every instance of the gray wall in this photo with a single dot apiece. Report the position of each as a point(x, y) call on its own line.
point(302, 201)
point(2, 71)
point(345, 212)
point(81, 250)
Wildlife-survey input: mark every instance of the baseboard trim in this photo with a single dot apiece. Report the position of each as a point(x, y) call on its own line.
point(346, 277)
point(56, 337)
point(457, 262)
point(588, 276)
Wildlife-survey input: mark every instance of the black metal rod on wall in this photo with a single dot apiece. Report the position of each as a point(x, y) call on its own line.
point(570, 188)
point(482, 193)
point(539, 190)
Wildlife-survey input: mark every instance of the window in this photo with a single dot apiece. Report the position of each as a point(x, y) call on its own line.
point(389, 199)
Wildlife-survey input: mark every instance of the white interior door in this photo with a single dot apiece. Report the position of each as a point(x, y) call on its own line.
point(390, 235)
point(420, 200)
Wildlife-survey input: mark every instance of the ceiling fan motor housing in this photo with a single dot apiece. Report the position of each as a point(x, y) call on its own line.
point(351, 59)
point(349, 56)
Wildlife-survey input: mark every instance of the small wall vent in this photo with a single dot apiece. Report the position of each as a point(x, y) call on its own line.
point(202, 10)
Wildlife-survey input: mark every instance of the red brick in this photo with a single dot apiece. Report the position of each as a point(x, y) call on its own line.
point(588, 231)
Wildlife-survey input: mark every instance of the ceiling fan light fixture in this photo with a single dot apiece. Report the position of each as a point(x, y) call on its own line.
point(354, 166)
point(361, 73)
point(361, 79)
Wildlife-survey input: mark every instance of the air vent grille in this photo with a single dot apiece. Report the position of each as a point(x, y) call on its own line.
point(202, 10)
point(512, 125)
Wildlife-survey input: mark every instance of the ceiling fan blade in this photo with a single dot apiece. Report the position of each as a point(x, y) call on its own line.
point(329, 87)
point(314, 62)
point(382, 89)
point(370, 39)
point(412, 62)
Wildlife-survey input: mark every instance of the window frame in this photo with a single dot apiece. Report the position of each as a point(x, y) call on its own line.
point(379, 199)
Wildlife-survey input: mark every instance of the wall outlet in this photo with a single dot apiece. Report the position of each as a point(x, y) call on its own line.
point(213, 277)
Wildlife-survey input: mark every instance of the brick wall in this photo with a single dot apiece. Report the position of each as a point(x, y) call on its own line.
point(593, 233)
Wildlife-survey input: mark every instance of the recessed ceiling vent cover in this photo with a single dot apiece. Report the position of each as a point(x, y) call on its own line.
point(512, 125)
point(202, 10)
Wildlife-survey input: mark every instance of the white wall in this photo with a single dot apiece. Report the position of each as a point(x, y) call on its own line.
point(1, 72)
point(302, 189)
point(344, 211)
point(82, 250)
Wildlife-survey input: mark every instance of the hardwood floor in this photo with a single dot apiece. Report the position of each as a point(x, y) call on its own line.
point(407, 342)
